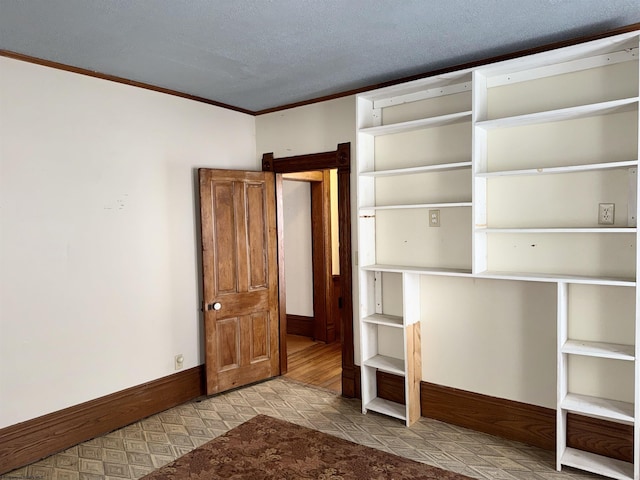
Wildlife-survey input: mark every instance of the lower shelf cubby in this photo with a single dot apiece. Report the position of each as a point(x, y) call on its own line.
point(387, 407)
point(598, 464)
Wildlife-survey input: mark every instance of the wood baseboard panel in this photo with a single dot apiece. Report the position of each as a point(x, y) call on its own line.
point(300, 325)
point(610, 439)
point(518, 421)
point(34, 439)
point(522, 422)
point(391, 387)
point(350, 380)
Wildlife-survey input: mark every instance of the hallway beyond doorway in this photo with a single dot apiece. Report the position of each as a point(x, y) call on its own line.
point(315, 363)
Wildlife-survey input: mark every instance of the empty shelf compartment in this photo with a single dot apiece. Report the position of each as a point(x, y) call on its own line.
point(386, 364)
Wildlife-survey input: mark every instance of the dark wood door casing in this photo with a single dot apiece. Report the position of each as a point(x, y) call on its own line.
point(340, 159)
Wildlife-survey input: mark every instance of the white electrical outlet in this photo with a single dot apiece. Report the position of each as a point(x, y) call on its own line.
point(434, 218)
point(179, 361)
point(606, 213)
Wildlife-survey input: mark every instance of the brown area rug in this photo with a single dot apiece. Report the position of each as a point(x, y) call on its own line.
point(266, 448)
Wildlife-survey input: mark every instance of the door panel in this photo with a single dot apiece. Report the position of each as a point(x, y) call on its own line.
point(225, 242)
point(259, 337)
point(240, 276)
point(257, 236)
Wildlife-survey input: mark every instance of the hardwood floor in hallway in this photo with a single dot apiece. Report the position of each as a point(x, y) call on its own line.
point(316, 363)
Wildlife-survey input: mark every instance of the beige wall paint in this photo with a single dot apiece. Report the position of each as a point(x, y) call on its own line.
point(298, 261)
point(99, 271)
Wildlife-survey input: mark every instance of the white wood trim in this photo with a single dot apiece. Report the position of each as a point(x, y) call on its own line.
point(364, 113)
point(582, 111)
point(386, 364)
point(599, 407)
point(542, 277)
point(598, 464)
point(421, 169)
point(566, 54)
point(369, 386)
point(559, 170)
point(632, 205)
point(423, 94)
point(570, 66)
point(560, 230)
point(418, 124)
point(492, 275)
point(562, 388)
point(417, 205)
point(387, 407)
point(452, 272)
point(613, 351)
point(479, 157)
point(634, 192)
point(429, 83)
point(386, 320)
point(377, 286)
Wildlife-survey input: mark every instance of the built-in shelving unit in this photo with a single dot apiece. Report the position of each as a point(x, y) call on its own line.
point(399, 181)
point(497, 172)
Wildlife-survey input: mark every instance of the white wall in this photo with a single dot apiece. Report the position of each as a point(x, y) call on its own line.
point(99, 276)
point(298, 259)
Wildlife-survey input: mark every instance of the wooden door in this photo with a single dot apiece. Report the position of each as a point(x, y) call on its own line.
point(240, 277)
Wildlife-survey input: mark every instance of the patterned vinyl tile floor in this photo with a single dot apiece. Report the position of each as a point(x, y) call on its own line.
point(136, 450)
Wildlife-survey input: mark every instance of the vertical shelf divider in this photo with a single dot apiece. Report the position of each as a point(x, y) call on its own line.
point(562, 373)
point(479, 165)
point(633, 217)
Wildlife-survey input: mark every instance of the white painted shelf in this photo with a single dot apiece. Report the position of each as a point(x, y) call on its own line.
point(515, 75)
point(612, 351)
point(387, 320)
point(418, 124)
point(599, 407)
point(443, 167)
point(449, 272)
point(602, 229)
point(603, 108)
point(386, 364)
point(399, 94)
point(559, 170)
point(417, 205)
point(387, 407)
point(520, 276)
point(555, 278)
point(597, 464)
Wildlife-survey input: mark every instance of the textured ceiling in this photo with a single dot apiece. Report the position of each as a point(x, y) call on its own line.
point(259, 54)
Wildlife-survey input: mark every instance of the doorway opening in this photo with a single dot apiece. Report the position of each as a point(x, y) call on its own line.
point(312, 276)
point(332, 309)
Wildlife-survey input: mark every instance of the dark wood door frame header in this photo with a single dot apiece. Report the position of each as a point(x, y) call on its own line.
point(339, 159)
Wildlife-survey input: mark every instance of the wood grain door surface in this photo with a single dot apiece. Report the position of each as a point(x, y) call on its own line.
point(240, 277)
